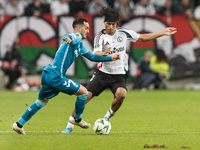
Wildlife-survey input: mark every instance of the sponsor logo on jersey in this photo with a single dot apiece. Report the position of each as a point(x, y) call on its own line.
point(119, 39)
point(116, 50)
point(107, 43)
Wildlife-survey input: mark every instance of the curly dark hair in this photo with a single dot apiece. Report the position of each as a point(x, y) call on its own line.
point(111, 12)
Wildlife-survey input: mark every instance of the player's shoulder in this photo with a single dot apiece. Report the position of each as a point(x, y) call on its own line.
point(99, 36)
point(120, 29)
point(100, 33)
point(127, 32)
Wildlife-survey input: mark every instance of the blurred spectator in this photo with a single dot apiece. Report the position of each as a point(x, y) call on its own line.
point(135, 1)
point(11, 64)
point(14, 8)
point(144, 73)
point(60, 7)
point(159, 65)
point(95, 6)
point(176, 2)
point(143, 7)
point(169, 9)
point(78, 6)
point(152, 69)
point(110, 3)
point(2, 11)
point(3, 3)
point(196, 2)
point(186, 7)
point(125, 8)
point(197, 12)
point(26, 2)
point(48, 1)
point(158, 3)
point(37, 8)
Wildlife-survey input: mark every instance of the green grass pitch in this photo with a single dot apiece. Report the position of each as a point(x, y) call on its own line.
point(170, 118)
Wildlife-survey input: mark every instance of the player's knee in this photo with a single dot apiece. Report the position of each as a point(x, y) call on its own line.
point(121, 94)
point(82, 91)
point(83, 97)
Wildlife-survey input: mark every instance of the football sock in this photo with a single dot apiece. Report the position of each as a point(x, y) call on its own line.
point(80, 106)
point(30, 112)
point(109, 113)
point(69, 124)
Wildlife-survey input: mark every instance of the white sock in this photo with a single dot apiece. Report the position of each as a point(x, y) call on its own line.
point(109, 113)
point(69, 124)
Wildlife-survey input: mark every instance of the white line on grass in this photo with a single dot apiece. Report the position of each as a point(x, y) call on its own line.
point(117, 132)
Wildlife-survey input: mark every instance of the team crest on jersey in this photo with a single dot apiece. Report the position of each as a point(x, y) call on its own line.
point(119, 39)
point(77, 34)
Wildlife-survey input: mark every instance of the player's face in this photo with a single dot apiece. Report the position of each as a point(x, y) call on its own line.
point(84, 30)
point(110, 27)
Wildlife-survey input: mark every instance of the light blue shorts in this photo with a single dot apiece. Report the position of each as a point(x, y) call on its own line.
point(52, 85)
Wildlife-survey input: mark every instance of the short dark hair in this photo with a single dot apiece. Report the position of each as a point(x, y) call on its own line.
point(110, 14)
point(78, 21)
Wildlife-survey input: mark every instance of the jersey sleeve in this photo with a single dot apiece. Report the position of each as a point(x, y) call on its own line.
point(98, 42)
point(83, 49)
point(97, 58)
point(75, 37)
point(130, 34)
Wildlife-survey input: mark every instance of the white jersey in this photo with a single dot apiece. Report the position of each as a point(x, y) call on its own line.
point(117, 42)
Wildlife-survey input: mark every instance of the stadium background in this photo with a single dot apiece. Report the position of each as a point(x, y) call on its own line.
point(40, 37)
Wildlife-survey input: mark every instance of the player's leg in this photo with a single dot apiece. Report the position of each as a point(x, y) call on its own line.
point(32, 110)
point(45, 94)
point(94, 88)
point(71, 121)
point(119, 89)
point(117, 102)
point(78, 110)
point(71, 87)
point(89, 97)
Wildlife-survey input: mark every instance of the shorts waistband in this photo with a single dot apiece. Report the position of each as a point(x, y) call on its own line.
point(106, 74)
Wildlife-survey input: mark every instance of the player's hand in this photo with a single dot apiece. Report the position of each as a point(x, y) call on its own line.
point(170, 31)
point(107, 51)
point(115, 57)
point(68, 40)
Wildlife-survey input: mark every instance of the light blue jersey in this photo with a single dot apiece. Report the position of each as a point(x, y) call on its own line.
point(53, 75)
point(66, 55)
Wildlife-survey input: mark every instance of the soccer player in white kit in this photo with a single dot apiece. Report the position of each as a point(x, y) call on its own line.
point(112, 74)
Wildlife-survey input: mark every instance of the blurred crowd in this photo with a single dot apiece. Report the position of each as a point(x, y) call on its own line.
point(127, 8)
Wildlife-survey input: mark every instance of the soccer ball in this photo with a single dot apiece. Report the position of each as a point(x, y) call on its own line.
point(102, 126)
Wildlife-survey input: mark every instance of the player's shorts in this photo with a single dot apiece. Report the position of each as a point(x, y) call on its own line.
point(52, 85)
point(101, 81)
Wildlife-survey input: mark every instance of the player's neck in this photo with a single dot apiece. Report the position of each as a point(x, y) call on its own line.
point(111, 34)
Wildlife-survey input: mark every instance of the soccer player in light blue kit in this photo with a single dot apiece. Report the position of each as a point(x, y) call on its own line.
point(54, 80)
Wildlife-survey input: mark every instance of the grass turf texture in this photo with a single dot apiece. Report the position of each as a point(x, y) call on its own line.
point(169, 118)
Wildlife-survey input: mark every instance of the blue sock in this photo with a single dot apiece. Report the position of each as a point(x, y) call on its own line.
point(30, 112)
point(80, 106)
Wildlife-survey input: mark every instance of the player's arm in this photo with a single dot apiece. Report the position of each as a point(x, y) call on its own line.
point(97, 58)
point(98, 48)
point(105, 53)
point(72, 38)
point(152, 36)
